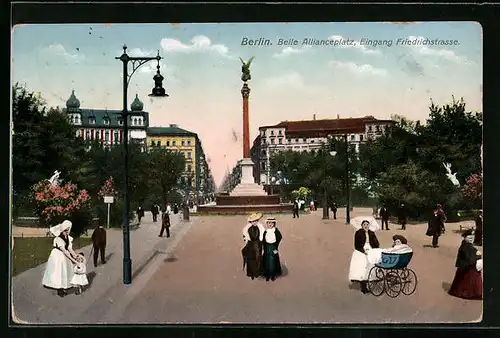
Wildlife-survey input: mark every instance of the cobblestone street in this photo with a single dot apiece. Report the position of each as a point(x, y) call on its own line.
point(203, 282)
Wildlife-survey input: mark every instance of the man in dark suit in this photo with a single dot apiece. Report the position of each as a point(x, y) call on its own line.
point(384, 215)
point(155, 210)
point(99, 243)
point(165, 224)
point(402, 216)
point(296, 208)
point(334, 210)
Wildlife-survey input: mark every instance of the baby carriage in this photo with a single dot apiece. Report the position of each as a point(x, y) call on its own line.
point(392, 275)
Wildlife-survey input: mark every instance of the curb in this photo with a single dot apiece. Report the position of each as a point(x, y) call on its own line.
point(99, 308)
point(116, 309)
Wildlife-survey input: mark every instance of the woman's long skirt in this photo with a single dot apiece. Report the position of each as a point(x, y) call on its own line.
point(271, 261)
point(253, 259)
point(58, 271)
point(359, 267)
point(467, 284)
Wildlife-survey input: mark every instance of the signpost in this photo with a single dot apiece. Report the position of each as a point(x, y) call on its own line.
point(108, 200)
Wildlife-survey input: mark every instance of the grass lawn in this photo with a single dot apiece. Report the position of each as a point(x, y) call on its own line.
point(30, 252)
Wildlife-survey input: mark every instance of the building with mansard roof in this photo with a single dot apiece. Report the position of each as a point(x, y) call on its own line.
point(106, 125)
point(309, 135)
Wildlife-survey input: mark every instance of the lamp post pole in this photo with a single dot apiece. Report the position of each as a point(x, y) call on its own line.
point(159, 92)
point(325, 193)
point(347, 185)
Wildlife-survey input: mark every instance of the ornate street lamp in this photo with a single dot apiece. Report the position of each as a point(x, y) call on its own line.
point(158, 91)
point(347, 184)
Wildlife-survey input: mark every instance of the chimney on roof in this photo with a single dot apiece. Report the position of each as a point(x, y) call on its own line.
point(314, 117)
point(338, 116)
point(172, 125)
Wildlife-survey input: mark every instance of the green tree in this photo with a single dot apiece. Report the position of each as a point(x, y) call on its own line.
point(44, 140)
point(165, 168)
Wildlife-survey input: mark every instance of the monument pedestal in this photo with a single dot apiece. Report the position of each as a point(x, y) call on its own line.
point(247, 186)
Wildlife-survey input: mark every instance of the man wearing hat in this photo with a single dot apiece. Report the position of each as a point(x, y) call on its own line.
point(253, 234)
point(99, 243)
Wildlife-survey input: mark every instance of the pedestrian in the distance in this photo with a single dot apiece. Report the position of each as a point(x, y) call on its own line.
point(313, 208)
point(165, 224)
point(140, 213)
point(155, 210)
point(436, 225)
point(334, 210)
point(402, 216)
point(478, 234)
point(296, 208)
point(384, 215)
point(99, 243)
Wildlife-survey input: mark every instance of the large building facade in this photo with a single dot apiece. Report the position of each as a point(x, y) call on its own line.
point(309, 135)
point(187, 143)
point(106, 126)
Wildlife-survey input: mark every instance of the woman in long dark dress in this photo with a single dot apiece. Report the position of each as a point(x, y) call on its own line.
point(271, 241)
point(252, 252)
point(468, 283)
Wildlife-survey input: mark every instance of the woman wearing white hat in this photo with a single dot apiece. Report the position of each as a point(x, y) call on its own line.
point(271, 241)
point(59, 268)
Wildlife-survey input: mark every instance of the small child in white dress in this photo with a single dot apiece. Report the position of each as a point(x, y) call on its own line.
point(79, 279)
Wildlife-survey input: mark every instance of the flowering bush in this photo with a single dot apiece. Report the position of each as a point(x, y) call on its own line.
point(473, 187)
point(55, 203)
point(302, 193)
point(108, 189)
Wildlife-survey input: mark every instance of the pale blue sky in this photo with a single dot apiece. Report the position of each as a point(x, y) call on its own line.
point(203, 75)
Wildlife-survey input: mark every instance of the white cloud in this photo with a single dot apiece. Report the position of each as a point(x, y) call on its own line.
point(290, 51)
point(444, 53)
point(293, 79)
point(140, 52)
point(58, 50)
point(359, 69)
point(199, 43)
point(356, 45)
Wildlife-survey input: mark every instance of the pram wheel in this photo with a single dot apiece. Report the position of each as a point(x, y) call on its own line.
point(393, 284)
point(409, 280)
point(376, 281)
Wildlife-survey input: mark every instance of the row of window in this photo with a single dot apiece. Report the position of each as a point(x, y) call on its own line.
point(304, 140)
point(97, 135)
point(136, 121)
point(174, 143)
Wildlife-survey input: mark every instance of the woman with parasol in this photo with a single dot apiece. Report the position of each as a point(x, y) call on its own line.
point(364, 240)
point(59, 268)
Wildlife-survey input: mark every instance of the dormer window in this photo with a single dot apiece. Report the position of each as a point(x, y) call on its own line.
point(120, 122)
point(105, 121)
point(92, 120)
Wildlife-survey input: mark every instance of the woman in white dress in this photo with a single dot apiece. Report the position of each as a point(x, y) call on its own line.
point(59, 268)
point(364, 240)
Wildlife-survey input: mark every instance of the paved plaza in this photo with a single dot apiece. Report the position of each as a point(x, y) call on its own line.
point(196, 277)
